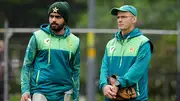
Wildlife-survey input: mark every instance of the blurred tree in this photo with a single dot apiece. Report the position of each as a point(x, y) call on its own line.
point(161, 14)
point(32, 13)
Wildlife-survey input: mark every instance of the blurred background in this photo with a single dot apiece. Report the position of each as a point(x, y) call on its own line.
point(92, 22)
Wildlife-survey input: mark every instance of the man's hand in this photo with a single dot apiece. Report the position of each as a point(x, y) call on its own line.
point(112, 80)
point(108, 92)
point(25, 97)
point(115, 89)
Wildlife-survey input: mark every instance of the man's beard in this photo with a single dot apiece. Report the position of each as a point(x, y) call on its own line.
point(58, 27)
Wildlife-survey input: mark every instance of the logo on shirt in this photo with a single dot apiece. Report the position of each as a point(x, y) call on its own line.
point(47, 41)
point(131, 49)
point(112, 48)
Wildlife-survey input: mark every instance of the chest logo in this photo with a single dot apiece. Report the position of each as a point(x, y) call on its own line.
point(131, 49)
point(47, 41)
point(112, 48)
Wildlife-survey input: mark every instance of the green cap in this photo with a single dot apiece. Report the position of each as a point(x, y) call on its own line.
point(61, 8)
point(125, 8)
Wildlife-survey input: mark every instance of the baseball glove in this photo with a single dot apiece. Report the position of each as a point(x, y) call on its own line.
point(123, 93)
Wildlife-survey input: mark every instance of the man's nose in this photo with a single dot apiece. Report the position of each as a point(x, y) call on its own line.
point(54, 19)
point(119, 19)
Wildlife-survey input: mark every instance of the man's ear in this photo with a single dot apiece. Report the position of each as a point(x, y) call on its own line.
point(134, 19)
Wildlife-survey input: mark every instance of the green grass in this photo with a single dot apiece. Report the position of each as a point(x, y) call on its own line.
point(15, 97)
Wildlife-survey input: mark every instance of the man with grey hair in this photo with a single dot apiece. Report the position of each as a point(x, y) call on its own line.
point(126, 59)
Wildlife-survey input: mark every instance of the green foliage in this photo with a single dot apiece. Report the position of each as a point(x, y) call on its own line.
point(83, 23)
point(15, 97)
point(165, 50)
point(20, 1)
point(161, 14)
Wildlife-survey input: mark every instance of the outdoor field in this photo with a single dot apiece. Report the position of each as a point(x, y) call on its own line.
point(94, 24)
